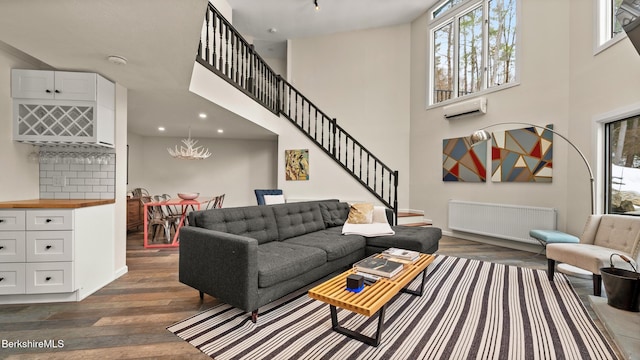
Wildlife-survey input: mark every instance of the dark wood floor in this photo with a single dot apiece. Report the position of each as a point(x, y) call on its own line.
point(127, 319)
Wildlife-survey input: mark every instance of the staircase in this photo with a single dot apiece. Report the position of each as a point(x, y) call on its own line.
point(412, 219)
point(227, 54)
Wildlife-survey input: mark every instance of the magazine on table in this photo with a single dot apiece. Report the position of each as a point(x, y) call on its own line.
point(379, 266)
point(401, 254)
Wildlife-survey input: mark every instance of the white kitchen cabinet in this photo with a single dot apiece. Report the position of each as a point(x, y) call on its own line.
point(63, 107)
point(55, 254)
point(59, 85)
point(39, 250)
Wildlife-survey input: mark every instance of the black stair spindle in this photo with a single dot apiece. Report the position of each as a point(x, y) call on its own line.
point(353, 156)
point(368, 161)
point(220, 60)
point(315, 124)
point(212, 61)
point(360, 175)
point(375, 176)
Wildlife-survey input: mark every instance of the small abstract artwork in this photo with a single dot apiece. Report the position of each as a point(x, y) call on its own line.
point(461, 162)
point(522, 155)
point(296, 164)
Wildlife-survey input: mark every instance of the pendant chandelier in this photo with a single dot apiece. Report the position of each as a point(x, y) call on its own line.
point(190, 151)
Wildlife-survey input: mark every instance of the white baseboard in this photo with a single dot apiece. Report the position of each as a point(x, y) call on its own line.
point(123, 270)
point(534, 248)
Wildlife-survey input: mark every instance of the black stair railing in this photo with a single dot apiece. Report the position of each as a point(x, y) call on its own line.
point(226, 53)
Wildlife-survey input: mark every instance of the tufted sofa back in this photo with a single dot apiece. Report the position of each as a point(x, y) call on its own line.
point(295, 219)
point(619, 232)
point(257, 222)
point(272, 222)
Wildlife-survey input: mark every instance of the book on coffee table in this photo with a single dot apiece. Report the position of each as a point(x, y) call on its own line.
point(379, 266)
point(401, 254)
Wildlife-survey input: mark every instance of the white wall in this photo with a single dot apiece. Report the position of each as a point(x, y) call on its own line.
point(361, 78)
point(236, 168)
point(328, 179)
point(120, 251)
point(19, 180)
point(541, 98)
point(600, 83)
point(561, 82)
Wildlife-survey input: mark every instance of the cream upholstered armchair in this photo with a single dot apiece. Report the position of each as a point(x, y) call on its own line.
point(603, 235)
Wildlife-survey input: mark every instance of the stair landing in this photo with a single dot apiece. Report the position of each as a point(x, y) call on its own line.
point(413, 219)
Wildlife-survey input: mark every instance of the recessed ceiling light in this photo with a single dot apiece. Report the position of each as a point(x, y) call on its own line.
point(272, 30)
point(161, 128)
point(118, 60)
point(202, 115)
point(220, 131)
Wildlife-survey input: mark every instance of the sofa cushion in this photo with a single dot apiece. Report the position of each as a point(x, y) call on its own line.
point(334, 213)
point(280, 261)
point(256, 222)
point(330, 241)
point(410, 238)
point(295, 219)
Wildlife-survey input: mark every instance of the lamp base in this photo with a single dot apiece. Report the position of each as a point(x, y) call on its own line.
point(574, 271)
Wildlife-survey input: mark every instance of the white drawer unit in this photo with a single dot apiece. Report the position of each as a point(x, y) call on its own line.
point(12, 278)
point(49, 277)
point(12, 220)
point(12, 247)
point(49, 246)
point(36, 251)
point(49, 220)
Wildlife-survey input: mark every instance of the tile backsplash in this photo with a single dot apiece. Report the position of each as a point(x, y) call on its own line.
point(77, 174)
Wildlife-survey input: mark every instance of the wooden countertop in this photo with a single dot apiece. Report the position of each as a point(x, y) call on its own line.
point(54, 203)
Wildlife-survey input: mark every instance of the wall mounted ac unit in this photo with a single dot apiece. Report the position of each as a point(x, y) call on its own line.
point(463, 108)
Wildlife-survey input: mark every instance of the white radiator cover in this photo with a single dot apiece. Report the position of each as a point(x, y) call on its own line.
point(511, 222)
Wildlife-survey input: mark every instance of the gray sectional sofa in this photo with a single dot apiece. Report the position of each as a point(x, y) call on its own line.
point(250, 256)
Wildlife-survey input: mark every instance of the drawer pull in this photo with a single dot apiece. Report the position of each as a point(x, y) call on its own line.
point(48, 278)
point(48, 221)
point(48, 247)
point(1, 278)
point(1, 220)
point(1, 247)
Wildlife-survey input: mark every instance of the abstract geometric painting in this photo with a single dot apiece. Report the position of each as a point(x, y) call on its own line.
point(522, 155)
point(461, 162)
point(296, 164)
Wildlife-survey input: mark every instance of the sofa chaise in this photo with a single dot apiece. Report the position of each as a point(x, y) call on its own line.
point(250, 256)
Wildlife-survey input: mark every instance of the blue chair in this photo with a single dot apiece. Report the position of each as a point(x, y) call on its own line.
point(260, 193)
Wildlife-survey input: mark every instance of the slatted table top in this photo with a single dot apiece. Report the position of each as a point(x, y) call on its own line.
point(373, 297)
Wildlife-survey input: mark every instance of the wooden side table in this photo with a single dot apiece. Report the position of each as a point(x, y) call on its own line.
point(134, 213)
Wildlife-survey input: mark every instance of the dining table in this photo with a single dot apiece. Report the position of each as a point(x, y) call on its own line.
point(185, 207)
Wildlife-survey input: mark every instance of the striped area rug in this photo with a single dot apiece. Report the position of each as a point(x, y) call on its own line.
point(470, 310)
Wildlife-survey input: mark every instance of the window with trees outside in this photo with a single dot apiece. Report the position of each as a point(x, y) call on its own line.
point(608, 24)
point(473, 47)
point(623, 166)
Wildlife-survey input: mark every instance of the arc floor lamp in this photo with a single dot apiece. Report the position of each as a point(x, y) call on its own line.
point(483, 135)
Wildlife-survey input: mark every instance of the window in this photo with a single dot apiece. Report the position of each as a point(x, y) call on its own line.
point(623, 166)
point(608, 25)
point(473, 47)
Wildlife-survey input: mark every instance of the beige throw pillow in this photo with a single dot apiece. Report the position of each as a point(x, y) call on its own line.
point(360, 214)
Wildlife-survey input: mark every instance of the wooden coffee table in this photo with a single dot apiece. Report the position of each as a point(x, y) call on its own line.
point(370, 301)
